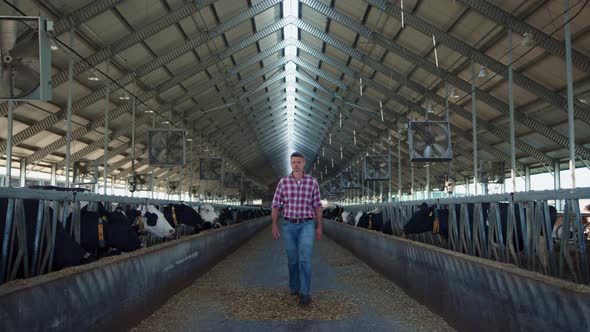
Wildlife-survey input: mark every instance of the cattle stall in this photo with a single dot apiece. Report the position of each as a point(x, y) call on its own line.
point(521, 228)
point(41, 229)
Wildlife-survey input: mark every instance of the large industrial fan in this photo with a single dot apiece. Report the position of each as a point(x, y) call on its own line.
point(376, 168)
point(85, 172)
point(166, 147)
point(194, 191)
point(492, 171)
point(143, 182)
point(231, 180)
point(429, 141)
point(25, 71)
point(350, 180)
point(139, 182)
point(210, 168)
point(173, 187)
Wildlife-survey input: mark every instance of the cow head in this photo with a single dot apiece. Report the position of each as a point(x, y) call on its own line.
point(208, 214)
point(155, 223)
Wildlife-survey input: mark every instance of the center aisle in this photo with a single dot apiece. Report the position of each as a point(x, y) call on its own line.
point(248, 291)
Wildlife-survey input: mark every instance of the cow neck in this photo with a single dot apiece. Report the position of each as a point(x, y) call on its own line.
point(174, 216)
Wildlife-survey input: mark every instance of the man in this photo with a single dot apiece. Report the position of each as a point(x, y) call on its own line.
point(299, 195)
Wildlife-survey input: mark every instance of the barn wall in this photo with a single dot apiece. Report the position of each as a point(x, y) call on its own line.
point(116, 293)
point(472, 294)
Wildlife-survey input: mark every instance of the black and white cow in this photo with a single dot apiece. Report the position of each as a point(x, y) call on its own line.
point(149, 219)
point(104, 233)
point(182, 214)
point(66, 253)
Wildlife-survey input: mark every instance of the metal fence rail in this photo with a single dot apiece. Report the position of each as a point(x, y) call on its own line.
point(534, 248)
point(15, 255)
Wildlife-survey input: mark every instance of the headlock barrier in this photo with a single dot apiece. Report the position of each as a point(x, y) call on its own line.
point(115, 293)
point(541, 231)
point(471, 293)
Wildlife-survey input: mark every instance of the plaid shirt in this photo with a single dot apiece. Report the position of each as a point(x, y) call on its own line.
point(299, 199)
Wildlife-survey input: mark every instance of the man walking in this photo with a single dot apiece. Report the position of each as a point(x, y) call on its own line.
point(299, 195)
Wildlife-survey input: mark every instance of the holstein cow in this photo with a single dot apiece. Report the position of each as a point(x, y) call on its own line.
point(106, 233)
point(66, 253)
point(151, 220)
point(226, 217)
point(209, 216)
point(370, 220)
point(182, 214)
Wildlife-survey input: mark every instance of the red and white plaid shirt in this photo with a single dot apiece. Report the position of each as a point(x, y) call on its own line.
point(299, 199)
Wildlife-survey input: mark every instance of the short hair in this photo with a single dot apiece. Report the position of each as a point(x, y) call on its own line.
point(297, 154)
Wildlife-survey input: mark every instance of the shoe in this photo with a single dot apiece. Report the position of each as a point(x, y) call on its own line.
point(304, 299)
point(294, 293)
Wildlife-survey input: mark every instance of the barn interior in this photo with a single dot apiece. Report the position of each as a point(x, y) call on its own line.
point(392, 103)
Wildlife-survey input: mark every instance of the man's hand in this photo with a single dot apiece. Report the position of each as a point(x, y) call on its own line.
point(318, 232)
point(275, 231)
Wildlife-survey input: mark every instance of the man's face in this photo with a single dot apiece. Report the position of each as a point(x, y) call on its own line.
point(297, 164)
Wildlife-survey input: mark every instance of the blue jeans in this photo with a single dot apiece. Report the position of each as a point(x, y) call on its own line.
point(299, 244)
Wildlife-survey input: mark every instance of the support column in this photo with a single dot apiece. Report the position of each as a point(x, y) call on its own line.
point(53, 180)
point(412, 176)
point(69, 111)
point(9, 143)
point(570, 92)
point(527, 178)
point(23, 172)
point(106, 129)
point(428, 182)
point(399, 165)
point(474, 126)
point(511, 106)
point(557, 180)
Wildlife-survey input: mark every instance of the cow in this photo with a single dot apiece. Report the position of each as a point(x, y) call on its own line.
point(226, 217)
point(370, 220)
point(105, 233)
point(66, 252)
point(209, 216)
point(151, 220)
point(183, 214)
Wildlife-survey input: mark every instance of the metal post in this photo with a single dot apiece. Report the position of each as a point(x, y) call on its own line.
point(570, 91)
point(557, 180)
point(106, 128)
point(511, 105)
point(412, 176)
point(9, 143)
point(399, 165)
point(527, 179)
point(153, 180)
point(389, 168)
point(69, 110)
point(427, 181)
point(23, 172)
point(53, 174)
point(474, 126)
point(191, 171)
point(133, 139)
point(467, 185)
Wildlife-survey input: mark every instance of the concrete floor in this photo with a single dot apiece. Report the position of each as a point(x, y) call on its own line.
point(248, 291)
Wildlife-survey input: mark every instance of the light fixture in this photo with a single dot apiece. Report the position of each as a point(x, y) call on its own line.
point(429, 108)
point(124, 97)
point(93, 77)
point(454, 93)
point(483, 72)
point(53, 45)
point(527, 39)
point(165, 122)
point(189, 139)
point(148, 111)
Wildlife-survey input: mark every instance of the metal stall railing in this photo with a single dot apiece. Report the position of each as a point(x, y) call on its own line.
point(515, 228)
point(15, 255)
